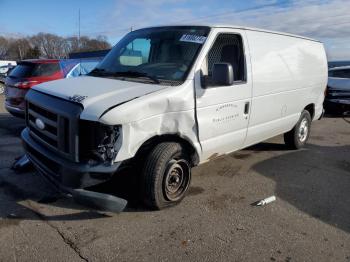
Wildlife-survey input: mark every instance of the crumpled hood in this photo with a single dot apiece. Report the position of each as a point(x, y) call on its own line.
point(96, 94)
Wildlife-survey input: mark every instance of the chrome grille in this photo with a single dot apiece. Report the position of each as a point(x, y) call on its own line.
point(53, 122)
point(56, 128)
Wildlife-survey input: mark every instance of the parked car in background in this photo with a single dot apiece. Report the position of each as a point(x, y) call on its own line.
point(337, 98)
point(332, 64)
point(4, 71)
point(25, 75)
point(7, 62)
point(83, 68)
point(32, 72)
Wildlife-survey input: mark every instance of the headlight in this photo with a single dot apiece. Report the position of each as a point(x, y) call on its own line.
point(98, 143)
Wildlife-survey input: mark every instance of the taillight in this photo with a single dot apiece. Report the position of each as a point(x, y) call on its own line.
point(26, 84)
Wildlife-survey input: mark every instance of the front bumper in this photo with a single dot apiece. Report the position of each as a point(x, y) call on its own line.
point(62, 172)
point(15, 111)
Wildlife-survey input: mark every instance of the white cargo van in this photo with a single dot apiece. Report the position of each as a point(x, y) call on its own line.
point(168, 98)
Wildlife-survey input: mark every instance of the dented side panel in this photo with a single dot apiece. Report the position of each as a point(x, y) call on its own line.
point(168, 111)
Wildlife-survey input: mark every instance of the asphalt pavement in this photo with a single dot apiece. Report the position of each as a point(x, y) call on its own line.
point(309, 221)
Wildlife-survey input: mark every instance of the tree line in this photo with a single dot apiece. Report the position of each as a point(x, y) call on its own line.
point(45, 45)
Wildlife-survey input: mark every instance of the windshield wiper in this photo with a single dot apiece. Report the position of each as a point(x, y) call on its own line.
point(137, 75)
point(98, 72)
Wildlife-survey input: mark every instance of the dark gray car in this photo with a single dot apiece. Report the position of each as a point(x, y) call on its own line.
point(338, 91)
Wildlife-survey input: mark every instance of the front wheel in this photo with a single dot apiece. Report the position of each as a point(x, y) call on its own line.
point(298, 136)
point(166, 175)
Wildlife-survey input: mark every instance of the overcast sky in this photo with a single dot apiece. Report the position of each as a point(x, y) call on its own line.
point(325, 20)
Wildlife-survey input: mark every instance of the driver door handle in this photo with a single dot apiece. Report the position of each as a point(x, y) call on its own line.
point(246, 108)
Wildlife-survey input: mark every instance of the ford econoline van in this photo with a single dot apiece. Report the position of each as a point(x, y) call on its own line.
point(170, 98)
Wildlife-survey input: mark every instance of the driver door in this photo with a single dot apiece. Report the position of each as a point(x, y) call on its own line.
point(223, 111)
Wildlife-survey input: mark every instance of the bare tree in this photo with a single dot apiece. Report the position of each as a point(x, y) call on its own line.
point(47, 45)
point(100, 43)
point(87, 44)
point(73, 44)
point(22, 45)
point(17, 48)
point(4, 46)
point(50, 45)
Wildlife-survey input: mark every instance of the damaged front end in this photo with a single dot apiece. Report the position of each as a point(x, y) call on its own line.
point(98, 147)
point(72, 154)
point(98, 143)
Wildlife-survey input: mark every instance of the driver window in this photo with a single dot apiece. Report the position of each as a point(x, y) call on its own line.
point(227, 48)
point(136, 53)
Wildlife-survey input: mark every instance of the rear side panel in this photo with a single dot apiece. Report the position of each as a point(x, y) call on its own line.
point(288, 74)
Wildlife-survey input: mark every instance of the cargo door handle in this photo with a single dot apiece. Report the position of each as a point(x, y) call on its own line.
point(246, 108)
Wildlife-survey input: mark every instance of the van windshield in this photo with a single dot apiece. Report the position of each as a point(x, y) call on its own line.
point(162, 55)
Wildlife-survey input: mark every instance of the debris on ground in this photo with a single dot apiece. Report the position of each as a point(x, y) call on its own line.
point(265, 201)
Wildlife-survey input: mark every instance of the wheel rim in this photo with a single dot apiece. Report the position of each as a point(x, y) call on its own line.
point(303, 130)
point(2, 89)
point(176, 179)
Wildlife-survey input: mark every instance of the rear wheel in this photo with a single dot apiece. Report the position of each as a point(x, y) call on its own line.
point(166, 175)
point(298, 136)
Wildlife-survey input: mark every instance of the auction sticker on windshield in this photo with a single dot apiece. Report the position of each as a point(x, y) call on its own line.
point(193, 39)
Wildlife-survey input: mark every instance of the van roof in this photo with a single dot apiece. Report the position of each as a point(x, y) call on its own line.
point(238, 27)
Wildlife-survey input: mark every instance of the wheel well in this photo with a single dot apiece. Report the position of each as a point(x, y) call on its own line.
point(311, 109)
point(152, 142)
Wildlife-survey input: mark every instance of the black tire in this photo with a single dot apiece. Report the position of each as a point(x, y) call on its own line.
point(166, 168)
point(298, 136)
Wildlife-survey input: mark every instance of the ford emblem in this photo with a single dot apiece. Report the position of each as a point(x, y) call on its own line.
point(40, 124)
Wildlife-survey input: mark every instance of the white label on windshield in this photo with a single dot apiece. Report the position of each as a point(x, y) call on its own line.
point(193, 39)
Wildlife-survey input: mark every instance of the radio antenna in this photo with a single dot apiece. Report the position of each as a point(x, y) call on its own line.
point(79, 30)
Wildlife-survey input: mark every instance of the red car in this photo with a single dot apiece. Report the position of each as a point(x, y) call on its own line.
point(25, 75)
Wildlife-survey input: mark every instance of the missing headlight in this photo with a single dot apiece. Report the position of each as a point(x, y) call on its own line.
point(98, 142)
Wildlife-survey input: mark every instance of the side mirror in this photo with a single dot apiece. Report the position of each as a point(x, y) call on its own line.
point(222, 74)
